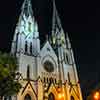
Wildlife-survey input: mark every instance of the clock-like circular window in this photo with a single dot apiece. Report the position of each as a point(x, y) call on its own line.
point(48, 66)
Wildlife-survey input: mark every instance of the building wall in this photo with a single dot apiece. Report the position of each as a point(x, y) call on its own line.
point(36, 85)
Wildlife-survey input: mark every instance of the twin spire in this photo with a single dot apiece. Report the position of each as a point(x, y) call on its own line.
point(57, 30)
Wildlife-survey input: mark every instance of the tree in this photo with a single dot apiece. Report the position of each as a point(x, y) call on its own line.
point(8, 67)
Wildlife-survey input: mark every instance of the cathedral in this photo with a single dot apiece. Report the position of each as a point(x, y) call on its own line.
point(47, 72)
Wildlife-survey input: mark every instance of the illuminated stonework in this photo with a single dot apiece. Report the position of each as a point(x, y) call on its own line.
point(49, 72)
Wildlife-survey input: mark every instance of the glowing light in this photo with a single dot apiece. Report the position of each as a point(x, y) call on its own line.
point(63, 95)
point(60, 96)
point(54, 40)
point(96, 96)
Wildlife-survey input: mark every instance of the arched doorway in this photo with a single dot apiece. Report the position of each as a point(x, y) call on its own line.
point(51, 96)
point(72, 98)
point(27, 97)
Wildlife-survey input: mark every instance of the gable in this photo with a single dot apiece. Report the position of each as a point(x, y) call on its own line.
point(28, 87)
point(47, 50)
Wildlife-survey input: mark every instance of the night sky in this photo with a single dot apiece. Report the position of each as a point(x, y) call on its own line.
point(81, 19)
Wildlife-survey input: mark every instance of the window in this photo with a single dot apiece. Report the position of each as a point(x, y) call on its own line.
point(67, 58)
point(51, 80)
point(27, 97)
point(51, 96)
point(28, 72)
point(44, 80)
point(55, 81)
point(47, 80)
point(68, 77)
point(48, 66)
point(7, 98)
point(31, 48)
point(26, 46)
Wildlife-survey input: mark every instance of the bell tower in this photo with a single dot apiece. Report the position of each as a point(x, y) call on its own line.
point(26, 48)
point(26, 37)
point(26, 42)
point(66, 63)
point(58, 41)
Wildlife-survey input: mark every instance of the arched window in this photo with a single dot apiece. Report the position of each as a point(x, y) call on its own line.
point(27, 97)
point(67, 58)
point(44, 79)
point(55, 81)
point(31, 48)
point(26, 46)
point(28, 72)
point(72, 98)
point(16, 42)
point(69, 77)
point(47, 80)
point(51, 80)
point(7, 98)
point(51, 96)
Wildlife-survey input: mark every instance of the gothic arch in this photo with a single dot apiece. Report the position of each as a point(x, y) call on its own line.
point(27, 97)
point(52, 91)
point(72, 98)
point(30, 95)
point(51, 96)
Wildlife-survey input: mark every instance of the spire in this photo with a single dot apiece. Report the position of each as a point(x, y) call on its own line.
point(26, 12)
point(57, 30)
point(27, 23)
point(56, 20)
point(26, 32)
point(27, 8)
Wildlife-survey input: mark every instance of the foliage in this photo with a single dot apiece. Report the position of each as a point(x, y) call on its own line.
point(8, 67)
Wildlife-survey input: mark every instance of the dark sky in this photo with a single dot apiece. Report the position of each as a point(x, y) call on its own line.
point(81, 19)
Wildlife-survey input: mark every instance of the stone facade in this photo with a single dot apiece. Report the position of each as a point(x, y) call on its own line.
point(47, 73)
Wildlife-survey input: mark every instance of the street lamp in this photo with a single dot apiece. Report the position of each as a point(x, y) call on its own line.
point(96, 96)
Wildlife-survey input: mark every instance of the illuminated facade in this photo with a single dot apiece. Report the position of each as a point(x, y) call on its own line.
point(47, 73)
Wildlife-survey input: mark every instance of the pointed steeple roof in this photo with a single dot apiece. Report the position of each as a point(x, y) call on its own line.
point(56, 23)
point(26, 11)
point(27, 8)
point(57, 30)
point(27, 17)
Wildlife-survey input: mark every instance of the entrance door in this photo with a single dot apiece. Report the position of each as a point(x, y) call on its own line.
point(72, 98)
point(51, 97)
point(27, 97)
